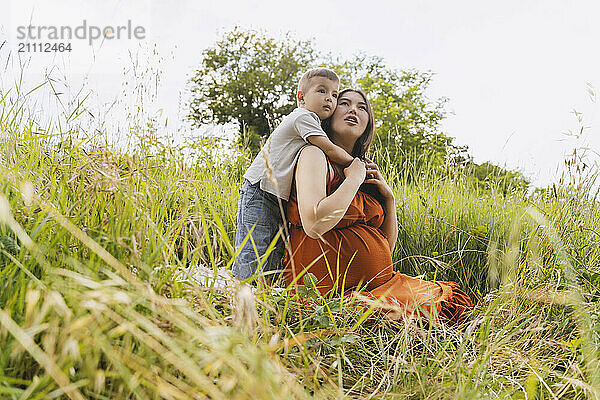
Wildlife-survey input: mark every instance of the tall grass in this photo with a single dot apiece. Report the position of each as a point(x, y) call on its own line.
point(99, 300)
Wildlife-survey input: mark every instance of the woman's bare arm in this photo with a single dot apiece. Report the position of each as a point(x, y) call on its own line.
point(319, 212)
point(390, 223)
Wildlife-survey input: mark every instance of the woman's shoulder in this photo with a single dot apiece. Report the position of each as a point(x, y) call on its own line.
point(312, 152)
point(313, 157)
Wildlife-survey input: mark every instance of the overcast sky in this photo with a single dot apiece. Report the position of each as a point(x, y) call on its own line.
point(514, 71)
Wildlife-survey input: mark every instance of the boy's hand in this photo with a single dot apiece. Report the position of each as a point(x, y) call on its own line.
point(357, 170)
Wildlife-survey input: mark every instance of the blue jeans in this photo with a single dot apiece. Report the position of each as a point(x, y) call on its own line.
point(259, 209)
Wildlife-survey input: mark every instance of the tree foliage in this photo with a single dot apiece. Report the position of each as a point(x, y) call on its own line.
point(488, 175)
point(408, 122)
point(249, 78)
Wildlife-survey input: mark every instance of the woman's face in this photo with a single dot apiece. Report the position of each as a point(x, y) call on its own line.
point(351, 116)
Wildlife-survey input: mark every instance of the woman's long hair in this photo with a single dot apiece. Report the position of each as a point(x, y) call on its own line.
point(364, 141)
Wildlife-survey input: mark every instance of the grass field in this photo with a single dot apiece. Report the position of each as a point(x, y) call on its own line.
point(98, 299)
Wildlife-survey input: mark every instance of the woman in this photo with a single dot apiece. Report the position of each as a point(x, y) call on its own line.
point(344, 236)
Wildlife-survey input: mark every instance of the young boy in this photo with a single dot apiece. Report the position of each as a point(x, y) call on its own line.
point(258, 205)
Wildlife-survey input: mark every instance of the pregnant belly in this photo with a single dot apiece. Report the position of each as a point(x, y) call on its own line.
point(343, 259)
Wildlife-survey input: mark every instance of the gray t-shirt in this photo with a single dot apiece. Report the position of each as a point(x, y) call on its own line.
point(282, 149)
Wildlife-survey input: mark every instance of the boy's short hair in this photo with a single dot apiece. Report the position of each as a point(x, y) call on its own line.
point(304, 82)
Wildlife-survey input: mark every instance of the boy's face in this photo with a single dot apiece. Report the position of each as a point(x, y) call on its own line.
point(320, 97)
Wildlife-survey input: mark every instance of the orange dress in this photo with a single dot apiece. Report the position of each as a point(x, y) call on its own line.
point(356, 254)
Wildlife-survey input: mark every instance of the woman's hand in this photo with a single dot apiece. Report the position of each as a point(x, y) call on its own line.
point(356, 170)
point(374, 176)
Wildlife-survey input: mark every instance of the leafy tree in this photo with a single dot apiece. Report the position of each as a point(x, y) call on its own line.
point(408, 121)
point(249, 78)
point(488, 175)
